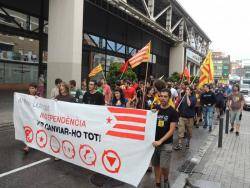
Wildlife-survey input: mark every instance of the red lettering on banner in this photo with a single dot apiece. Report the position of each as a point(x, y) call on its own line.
point(63, 120)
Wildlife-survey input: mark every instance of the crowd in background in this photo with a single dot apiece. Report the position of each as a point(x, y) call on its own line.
point(180, 107)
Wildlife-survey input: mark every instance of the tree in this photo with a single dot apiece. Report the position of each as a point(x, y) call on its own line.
point(114, 74)
point(175, 77)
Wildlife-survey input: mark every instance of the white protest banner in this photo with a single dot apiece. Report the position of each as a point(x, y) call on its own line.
point(116, 142)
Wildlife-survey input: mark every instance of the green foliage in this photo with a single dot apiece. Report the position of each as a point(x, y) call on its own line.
point(175, 77)
point(115, 75)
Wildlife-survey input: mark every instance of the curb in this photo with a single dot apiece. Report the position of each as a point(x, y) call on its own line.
point(196, 159)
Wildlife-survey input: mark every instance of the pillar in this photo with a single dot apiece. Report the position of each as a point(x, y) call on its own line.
point(176, 59)
point(65, 41)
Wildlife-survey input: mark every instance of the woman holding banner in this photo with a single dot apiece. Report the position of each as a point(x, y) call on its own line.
point(31, 91)
point(119, 100)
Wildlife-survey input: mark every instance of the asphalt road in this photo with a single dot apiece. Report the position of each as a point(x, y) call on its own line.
point(36, 169)
point(43, 171)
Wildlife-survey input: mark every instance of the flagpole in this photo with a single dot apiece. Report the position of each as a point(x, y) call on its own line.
point(104, 76)
point(123, 71)
point(185, 65)
point(144, 89)
point(160, 78)
point(121, 75)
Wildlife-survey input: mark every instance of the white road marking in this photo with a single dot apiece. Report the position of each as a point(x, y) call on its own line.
point(24, 167)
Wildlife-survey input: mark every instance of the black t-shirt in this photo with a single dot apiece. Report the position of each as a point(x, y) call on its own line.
point(148, 102)
point(65, 98)
point(164, 118)
point(95, 98)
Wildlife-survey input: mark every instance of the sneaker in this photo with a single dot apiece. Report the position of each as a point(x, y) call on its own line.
point(204, 127)
point(231, 130)
point(26, 149)
point(210, 129)
point(150, 169)
point(178, 147)
point(187, 145)
point(237, 133)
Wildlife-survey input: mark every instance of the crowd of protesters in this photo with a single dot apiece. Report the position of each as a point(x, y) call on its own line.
point(179, 106)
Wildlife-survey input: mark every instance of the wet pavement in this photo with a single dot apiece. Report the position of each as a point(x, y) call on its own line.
point(62, 174)
point(59, 174)
point(229, 165)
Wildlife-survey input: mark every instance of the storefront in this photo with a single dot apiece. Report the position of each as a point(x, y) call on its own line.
point(193, 61)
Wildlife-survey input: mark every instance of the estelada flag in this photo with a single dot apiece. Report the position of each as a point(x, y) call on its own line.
point(142, 56)
point(124, 67)
point(207, 71)
point(186, 73)
point(96, 70)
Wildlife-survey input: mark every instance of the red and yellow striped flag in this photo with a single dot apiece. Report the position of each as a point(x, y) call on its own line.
point(96, 70)
point(142, 56)
point(207, 71)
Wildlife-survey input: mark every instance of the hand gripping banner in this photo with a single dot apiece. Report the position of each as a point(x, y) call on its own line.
point(116, 142)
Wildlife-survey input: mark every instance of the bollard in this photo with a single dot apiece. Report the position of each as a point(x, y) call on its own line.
point(220, 133)
point(227, 121)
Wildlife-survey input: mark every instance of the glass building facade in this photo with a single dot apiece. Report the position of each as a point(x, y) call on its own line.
point(109, 37)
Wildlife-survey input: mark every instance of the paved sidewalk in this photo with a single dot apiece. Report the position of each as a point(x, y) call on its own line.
point(229, 165)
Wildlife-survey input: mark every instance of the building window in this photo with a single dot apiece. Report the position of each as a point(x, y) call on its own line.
point(131, 51)
point(111, 45)
point(120, 48)
point(95, 41)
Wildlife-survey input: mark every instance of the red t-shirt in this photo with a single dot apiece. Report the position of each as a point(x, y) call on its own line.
point(129, 92)
point(135, 86)
point(107, 93)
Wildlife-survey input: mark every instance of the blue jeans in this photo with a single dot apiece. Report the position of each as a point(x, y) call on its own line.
point(208, 116)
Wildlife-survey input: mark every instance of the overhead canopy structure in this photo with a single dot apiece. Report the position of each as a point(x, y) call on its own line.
point(36, 8)
point(129, 23)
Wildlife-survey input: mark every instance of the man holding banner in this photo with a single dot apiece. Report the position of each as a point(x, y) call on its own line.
point(167, 120)
point(92, 96)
